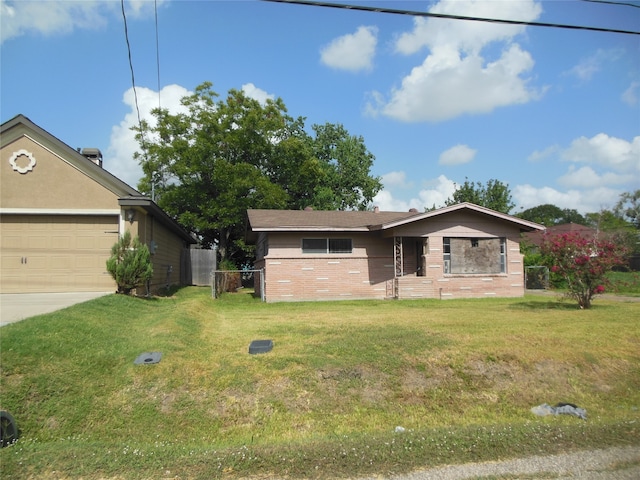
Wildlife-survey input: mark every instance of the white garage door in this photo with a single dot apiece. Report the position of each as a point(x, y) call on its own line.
point(56, 253)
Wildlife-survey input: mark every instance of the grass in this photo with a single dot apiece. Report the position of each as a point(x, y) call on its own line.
point(458, 376)
point(625, 283)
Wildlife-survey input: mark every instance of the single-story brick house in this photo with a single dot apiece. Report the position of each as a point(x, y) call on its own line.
point(459, 251)
point(61, 212)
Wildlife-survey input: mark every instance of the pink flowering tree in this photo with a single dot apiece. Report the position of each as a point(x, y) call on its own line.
point(582, 263)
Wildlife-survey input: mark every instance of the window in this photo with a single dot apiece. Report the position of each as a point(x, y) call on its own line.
point(446, 241)
point(327, 245)
point(314, 245)
point(483, 256)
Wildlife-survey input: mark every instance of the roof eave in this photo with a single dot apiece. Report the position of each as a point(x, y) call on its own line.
point(151, 207)
point(310, 229)
point(461, 206)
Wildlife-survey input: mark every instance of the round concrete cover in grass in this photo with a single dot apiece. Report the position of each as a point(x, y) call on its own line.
point(148, 358)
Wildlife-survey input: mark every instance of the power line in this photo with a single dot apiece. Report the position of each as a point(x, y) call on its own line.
point(155, 7)
point(450, 17)
point(608, 2)
point(133, 80)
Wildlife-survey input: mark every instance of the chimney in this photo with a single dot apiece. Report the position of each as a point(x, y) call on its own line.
point(413, 210)
point(308, 209)
point(93, 154)
point(376, 209)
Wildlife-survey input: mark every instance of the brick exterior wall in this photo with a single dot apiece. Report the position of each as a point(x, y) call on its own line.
point(369, 273)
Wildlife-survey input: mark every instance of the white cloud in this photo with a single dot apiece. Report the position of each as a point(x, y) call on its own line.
point(353, 52)
point(435, 193)
point(447, 85)
point(47, 18)
point(611, 152)
point(455, 78)
point(396, 180)
point(539, 155)
point(119, 155)
point(586, 177)
point(458, 155)
point(467, 36)
point(591, 65)
point(251, 91)
point(385, 201)
point(584, 201)
point(630, 95)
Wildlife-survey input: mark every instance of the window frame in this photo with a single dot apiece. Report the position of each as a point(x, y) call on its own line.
point(332, 246)
point(446, 255)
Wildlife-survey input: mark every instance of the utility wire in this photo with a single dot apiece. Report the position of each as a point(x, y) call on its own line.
point(450, 17)
point(608, 2)
point(155, 6)
point(133, 80)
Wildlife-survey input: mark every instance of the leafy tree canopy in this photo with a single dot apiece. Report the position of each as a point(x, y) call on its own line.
point(495, 195)
point(207, 166)
point(628, 208)
point(549, 215)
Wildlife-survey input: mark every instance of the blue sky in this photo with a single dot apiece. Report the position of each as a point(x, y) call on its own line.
point(552, 113)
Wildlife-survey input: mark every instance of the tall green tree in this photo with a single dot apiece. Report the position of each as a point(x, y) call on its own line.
point(616, 227)
point(628, 208)
point(549, 215)
point(494, 195)
point(345, 163)
point(207, 166)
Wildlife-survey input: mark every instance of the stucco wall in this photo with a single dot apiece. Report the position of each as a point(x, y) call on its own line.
point(53, 183)
point(165, 247)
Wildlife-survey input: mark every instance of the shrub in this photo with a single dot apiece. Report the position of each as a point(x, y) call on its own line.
point(228, 278)
point(582, 263)
point(130, 263)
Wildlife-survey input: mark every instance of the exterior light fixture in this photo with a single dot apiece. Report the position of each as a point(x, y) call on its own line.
point(131, 213)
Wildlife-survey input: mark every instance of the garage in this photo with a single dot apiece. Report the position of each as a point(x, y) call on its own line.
point(56, 253)
point(61, 213)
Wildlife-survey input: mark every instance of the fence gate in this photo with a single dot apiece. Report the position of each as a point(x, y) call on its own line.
point(203, 264)
point(236, 280)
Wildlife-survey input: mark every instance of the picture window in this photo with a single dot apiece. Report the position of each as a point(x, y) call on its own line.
point(483, 256)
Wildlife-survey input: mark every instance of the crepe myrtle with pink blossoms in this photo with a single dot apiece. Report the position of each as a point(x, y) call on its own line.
point(582, 263)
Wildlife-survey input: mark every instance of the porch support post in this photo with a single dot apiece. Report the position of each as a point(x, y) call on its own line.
point(398, 257)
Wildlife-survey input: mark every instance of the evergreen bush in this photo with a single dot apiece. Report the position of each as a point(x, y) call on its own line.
point(130, 263)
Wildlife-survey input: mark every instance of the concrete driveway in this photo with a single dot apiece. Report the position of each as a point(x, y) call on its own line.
point(18, 306)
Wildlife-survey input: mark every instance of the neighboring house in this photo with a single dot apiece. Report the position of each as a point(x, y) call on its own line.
point(61, 212)
point(459, 251)
point(536, 238)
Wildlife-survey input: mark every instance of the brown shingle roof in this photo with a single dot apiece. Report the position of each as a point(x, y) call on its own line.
point(356, 221)
point(283, 220)
point(536, 238)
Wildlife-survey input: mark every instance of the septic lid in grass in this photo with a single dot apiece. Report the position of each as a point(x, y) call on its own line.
point(260, 346)
point(147, 358)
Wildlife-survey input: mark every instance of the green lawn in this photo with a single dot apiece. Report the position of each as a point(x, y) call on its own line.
point(459, 376)
point(625, 283)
